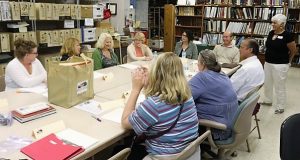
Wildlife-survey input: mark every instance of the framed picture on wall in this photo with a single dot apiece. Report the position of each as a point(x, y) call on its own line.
point(112, 7)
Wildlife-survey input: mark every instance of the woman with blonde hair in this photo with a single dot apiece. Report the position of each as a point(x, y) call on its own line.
point(168, 116)
point(137, 51)
point(25, 70)
point(104, 55)
point(71, 47)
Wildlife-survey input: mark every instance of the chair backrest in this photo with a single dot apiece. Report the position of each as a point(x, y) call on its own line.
point(122, 155)
point(289, 138)
point(2, 83)
point(242, 120)
point(192, 147)
point(124, 59)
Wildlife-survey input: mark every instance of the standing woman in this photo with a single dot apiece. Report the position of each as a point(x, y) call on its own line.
point(25, 70)
point(71, 47)
point(169, 101)
point(104, 55)
point(281, 49)
point(137, 51)
point(186, 46)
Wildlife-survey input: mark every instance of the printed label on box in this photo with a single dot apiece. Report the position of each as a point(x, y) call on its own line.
point(82, 87)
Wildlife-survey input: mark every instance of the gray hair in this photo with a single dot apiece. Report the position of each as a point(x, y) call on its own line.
point(208, 58)
point(280, 18)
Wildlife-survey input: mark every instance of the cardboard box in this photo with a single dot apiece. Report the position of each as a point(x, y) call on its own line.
point(41, 11)
point(49, 11)
point(24, 9)
point(75, 11)
point(61, 8)
point(2, 69)
point(45, 58)
point(67, 34)
point(5, 46)
point(24, 35)
point(32, 37)
point(15, 10)
point(43, 38)
point(156, 44)
point(54, 38)
point(61, 36)
point(98, 11)
point(32, 11)
point(78, 34)
point(13, 37)
point(5, 11)
point(55, 11)
point(67, 10)
point(86, 11)
point(88, 34)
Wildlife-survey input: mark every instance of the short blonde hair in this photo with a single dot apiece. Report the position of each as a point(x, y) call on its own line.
point(167, 80)
point(139, 36)
point(280, 18)
point(69, 47)
point(101, 40)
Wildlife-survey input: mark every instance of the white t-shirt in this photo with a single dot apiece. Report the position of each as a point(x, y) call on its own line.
point(16, 75)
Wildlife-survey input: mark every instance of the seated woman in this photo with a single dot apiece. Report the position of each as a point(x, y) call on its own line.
point(25, 70)
point(137, 51)
point(213, 94)
point(186, 48)
point(165, 103)
point(71, 47)
point(104, 55)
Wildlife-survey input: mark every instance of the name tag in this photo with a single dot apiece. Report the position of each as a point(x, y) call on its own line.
point(280, 37)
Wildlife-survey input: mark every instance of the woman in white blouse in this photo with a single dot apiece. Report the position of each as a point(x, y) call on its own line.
point(24, 70)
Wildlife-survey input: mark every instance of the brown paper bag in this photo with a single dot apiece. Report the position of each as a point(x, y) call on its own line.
point(70, 82)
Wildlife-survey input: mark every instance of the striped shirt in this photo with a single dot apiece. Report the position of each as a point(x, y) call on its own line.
point(153, 116)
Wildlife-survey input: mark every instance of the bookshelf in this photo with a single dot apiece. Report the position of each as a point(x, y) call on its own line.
point(293, 26)
point(156, 21)
point(186, 17)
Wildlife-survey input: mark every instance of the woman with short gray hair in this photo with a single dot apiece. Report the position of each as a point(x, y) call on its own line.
point(280, 51)
point(213, 94)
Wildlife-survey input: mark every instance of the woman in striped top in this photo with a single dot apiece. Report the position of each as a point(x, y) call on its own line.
point(166, 89)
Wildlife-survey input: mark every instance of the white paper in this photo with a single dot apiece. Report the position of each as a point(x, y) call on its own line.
point(41, 89)
point(89, 22)
point(115, 115)
point(90, 106)
point(77, 138)
point(129, 66)
point(69, 24)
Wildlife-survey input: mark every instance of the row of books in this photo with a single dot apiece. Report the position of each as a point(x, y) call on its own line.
point(247, 2)
point(295, 27)
point(241, 13)
point(214, 26)
point(266, 13)
point(212, 39)
point(215, 12)
point(262, 28)
point(186, 11)
point(239, 27)
point(294, 3)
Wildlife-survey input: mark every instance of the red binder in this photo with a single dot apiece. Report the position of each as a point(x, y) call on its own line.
point(50, 148)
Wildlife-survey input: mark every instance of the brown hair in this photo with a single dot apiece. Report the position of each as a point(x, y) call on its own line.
point(23, 47)
point(208, 58)
point(69, 46)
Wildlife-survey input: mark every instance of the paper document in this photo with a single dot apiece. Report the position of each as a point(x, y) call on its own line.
point(38, 89)
point(90, 106)
point(112, 104)
point(115, 115)
point(129, 66)
point(77, 138)
point(98, 75)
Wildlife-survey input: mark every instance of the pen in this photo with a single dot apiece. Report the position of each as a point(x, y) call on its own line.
point(98, 119)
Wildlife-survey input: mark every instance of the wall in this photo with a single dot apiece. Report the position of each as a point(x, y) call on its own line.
point(142, 12)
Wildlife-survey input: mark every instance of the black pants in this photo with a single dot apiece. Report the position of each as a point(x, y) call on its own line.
point(138, 151)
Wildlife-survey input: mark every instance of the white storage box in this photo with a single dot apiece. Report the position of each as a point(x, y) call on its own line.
point(88, 34)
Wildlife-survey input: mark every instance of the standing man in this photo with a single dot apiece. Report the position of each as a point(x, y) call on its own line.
point(227, 53)
point(251, 74)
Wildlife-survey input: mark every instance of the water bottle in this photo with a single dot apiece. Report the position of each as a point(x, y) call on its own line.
point(155, 55)
point(183, 55)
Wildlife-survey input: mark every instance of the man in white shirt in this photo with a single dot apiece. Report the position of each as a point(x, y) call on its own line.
point(251, 74)
point(227, 53)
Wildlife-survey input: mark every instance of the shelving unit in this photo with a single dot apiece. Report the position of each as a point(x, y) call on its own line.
point(156, 21)
point(293, 26)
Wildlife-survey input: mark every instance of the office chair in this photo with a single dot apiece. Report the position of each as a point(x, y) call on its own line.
point(122, 155)
point(289, 138)
point(240, 131)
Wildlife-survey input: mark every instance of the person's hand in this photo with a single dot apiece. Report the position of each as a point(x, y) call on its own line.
point(146, 75)
point(138, 77)
point(148, 58)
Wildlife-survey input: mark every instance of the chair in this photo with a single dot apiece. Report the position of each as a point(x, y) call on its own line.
point(240, 131)
point(122, 155)
point(2, 83)
point(289, 138)
point(125, 59)
point(191, 152)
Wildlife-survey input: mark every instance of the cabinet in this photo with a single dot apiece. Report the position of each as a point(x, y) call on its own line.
point(185, 17)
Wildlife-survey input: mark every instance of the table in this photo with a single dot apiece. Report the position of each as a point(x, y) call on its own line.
point(106, 132)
